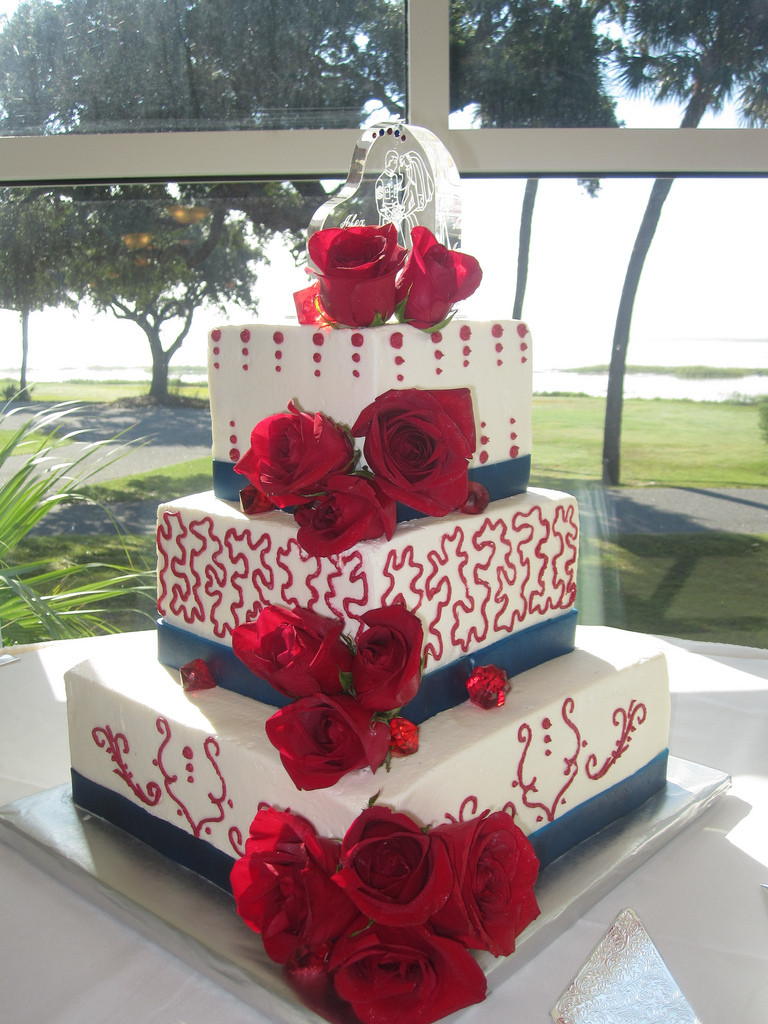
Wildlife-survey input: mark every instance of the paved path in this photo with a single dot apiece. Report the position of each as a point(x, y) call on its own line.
point(160, 436)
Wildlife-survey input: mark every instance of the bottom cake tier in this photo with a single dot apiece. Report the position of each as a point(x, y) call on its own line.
point(580, 742)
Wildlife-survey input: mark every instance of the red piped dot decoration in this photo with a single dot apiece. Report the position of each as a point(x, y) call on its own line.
point(399, 360)
point(316, 357)
point(187, 753)
point(488, 687)
point(483, 457)
point(216, 350)
point(317, 339)
point(278, 337)
point(234, 454)
point(233, 438)
point(514, 451)
point(195, 675)
point(245, 335)
point(465, 332)
point(436, 337)
point(497, 330)
point(396, 339)
point(357, 339)
point(356, 357)
point(438, 353)
point(522, 330)
point(404, 737)
point(216, 335)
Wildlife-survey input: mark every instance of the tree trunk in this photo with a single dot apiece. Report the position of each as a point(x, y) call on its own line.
point(24, 314)
point(614, 402)
point(158, 389)
point(615, 397)
point(524, 245)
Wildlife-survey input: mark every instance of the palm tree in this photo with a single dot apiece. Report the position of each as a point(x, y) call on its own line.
point(529, 64)
point(701, 53)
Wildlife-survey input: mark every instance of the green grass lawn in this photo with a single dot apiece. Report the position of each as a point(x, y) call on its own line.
point(664, 442)
point(104, 391)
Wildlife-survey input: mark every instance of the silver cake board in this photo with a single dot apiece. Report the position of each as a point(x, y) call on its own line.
point(196, 921)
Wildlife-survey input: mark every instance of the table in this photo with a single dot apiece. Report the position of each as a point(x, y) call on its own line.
point(66, 961)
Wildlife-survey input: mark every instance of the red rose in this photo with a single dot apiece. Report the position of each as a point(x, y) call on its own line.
point(353, 509)
point(357, 268)
point(283, 889)
point(321, 738)
point(391, 870)
point(292, 453)
point(386, 667)
point(434, 279)
point(495, 869)
point(418, 445)
point(392, 975)
point(296, 650)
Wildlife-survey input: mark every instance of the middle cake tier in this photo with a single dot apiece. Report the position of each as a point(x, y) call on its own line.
point(497, 588)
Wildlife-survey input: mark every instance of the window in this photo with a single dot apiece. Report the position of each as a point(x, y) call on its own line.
point(420, 72)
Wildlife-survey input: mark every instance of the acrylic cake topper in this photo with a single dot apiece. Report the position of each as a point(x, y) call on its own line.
point(403, 175)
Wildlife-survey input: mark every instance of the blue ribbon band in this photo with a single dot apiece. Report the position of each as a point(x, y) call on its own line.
point(441, 689)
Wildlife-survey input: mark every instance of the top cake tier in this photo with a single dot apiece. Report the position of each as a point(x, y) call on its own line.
point(254, 371)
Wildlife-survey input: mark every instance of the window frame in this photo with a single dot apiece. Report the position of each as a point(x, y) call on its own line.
point(250, 154)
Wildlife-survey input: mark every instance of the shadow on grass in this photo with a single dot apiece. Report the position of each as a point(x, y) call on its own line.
point(703, 586)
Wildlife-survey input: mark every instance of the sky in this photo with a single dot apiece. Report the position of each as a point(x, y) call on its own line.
point(703, 281)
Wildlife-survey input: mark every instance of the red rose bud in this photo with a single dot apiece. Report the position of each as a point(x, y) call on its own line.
point(292, 454)
point(196, 675)
point(386, 667)
point(405, 737)
point(356, 268)
point(395, 975)
point(296, 650)
point(254, 502)
point(418, 445)
point(353, 509)
point(434, 279)
point(391, 870)
point(321, 738)
point(492, 899)
point(488, 687)
point(283, 888)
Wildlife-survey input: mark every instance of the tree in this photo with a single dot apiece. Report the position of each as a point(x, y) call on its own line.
point(31, 274)
point(700, 54)
point(529, 64)
point(153, 255)
point(78, 66)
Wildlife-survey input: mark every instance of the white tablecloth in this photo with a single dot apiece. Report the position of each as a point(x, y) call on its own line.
point(700, 897)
